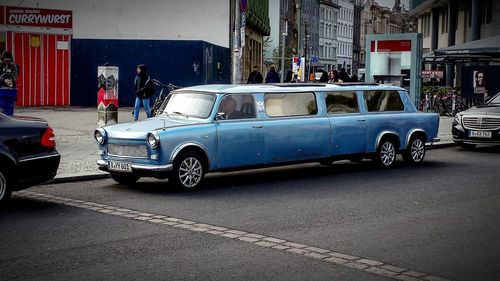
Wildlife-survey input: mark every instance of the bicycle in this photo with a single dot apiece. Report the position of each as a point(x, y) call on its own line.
point(160, 103)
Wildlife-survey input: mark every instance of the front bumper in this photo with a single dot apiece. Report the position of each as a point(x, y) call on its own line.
point(461, 135)
point(103, 165)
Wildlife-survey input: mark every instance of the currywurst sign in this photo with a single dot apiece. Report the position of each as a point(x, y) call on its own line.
point(38, 17)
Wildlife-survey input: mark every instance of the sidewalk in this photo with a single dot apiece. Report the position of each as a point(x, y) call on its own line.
point(74, 128)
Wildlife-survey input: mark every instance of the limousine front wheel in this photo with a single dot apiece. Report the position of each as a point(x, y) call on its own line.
point(4, 190)
point(386, 153)
point(188, 171)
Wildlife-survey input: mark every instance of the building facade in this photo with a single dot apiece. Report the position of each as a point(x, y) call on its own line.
point(356, 44)
point(308, 35)
point(328, 34)
point(345, 31)
point(59, 44)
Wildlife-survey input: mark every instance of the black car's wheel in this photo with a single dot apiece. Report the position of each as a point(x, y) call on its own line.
point(386, 153)
point(125, 179)
point(467, 146)
point(188, 171)
point(415, 152)
point(5, 192)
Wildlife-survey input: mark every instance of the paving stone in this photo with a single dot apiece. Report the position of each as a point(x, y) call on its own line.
point(146, 214)
point(187, 222)
point(265, 244)
point(317, 256)
point(343, 256)
point(248, 239)
point(156, 221)
point(336, 260)
point(186, 226)
point(393, 268)
point(317, 250)
point(218, 228)
point(142, 218)
point(117, 213)
point(370, 262)
point(215, 232)
point(274, 240)
point(170, 223)
point(123, 210)
point(295, 245)
point(106, 211)
point(356, 265)
point(297, 251)
point(238, 232)
point(230, 235)
point(199, 229)
point(280, 247)
point(130, 216)
point(253, 235)
point(202, 225)
point(173, 219)
point(381, 271)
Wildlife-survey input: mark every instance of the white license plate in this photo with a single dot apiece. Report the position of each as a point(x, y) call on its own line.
point(120, 166)
point(480, 134)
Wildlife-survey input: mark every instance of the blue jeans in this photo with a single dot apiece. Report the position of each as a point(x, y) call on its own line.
point(145, 103)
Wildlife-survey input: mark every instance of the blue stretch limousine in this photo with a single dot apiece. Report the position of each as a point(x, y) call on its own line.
point(229, 127)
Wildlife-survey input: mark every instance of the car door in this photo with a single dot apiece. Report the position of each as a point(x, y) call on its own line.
point(239, 132)
point(348, 124)
point(293, 130)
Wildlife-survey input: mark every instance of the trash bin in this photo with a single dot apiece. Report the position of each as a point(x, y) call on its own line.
point(8, 99)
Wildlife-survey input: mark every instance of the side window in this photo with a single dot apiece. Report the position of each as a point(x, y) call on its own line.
point(237, 107)
point(342, 102)
point(377, 101)
point(290, 104)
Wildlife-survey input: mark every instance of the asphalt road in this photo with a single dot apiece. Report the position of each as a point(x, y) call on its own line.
point(440, 218)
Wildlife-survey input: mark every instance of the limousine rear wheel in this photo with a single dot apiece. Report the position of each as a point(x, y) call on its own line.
point(125, 179)
point(415, 152)
point(5, 192)
point(386, 153)
point(188, 171)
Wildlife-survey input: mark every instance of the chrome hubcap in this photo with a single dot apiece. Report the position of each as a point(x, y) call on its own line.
point(387, 153)
point(417, 150)
point(3, 186)
point(190, 172)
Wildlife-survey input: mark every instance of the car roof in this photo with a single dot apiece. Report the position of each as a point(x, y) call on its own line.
point(286, 87)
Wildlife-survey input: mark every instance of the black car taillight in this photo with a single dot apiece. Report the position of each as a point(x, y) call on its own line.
point(48, 138)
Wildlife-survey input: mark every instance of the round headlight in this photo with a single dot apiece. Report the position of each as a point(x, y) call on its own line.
point(100, 136)
point(153, 139)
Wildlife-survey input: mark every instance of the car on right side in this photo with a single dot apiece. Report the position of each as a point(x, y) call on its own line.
point(478, 125)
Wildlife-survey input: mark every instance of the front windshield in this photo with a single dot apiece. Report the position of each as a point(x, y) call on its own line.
point(495, 100)
point(197, 105)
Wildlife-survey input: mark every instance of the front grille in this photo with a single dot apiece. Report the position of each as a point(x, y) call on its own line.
point(137, 151)
point(481, 123)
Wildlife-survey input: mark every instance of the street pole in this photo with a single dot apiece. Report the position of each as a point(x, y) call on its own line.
point(283, 40)
point(306, 70)
point(236, 44)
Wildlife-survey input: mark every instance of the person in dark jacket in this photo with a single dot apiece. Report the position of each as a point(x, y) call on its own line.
point(344, 76)
point(144, 89)
point(272, 76)
point(324, 77)
point(255, 77)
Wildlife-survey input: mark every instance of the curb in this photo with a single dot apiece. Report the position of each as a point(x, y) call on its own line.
point(77, 177)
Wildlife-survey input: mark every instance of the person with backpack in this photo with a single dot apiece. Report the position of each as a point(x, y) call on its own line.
point(144, 89)
point(8, 71)
point(255, 76)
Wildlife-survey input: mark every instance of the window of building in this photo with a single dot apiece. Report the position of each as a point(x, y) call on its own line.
point(342, 102)
point(377, 101)
point(486, 12)
point(290, 104)
point(444, 20)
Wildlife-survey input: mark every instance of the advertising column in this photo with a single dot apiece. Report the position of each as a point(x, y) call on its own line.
point(107, 95)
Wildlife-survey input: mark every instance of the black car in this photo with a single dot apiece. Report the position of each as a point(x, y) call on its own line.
point(28, 154)
point(478, 125)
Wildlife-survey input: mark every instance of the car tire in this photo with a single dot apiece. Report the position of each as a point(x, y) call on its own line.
point(125, 179)
point(467, 146)
point(415, 152)
point(188, 172)
point(386, 153)
point(5, 191)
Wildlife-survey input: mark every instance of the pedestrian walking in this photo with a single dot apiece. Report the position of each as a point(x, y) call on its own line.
point(324, 76)
point(272, 76)
point(144, 89)
point(333, 77)
point(344, 76)
point(255, 76)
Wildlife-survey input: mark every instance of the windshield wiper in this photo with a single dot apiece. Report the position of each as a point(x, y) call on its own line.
point(180, 113)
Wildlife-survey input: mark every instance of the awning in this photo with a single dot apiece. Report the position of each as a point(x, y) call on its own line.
point(487, 48)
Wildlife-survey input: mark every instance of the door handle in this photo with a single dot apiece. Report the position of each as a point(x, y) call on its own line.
point(258, 126)
point(361, 119)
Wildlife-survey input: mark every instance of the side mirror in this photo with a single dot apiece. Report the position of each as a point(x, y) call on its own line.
point(220, 116)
